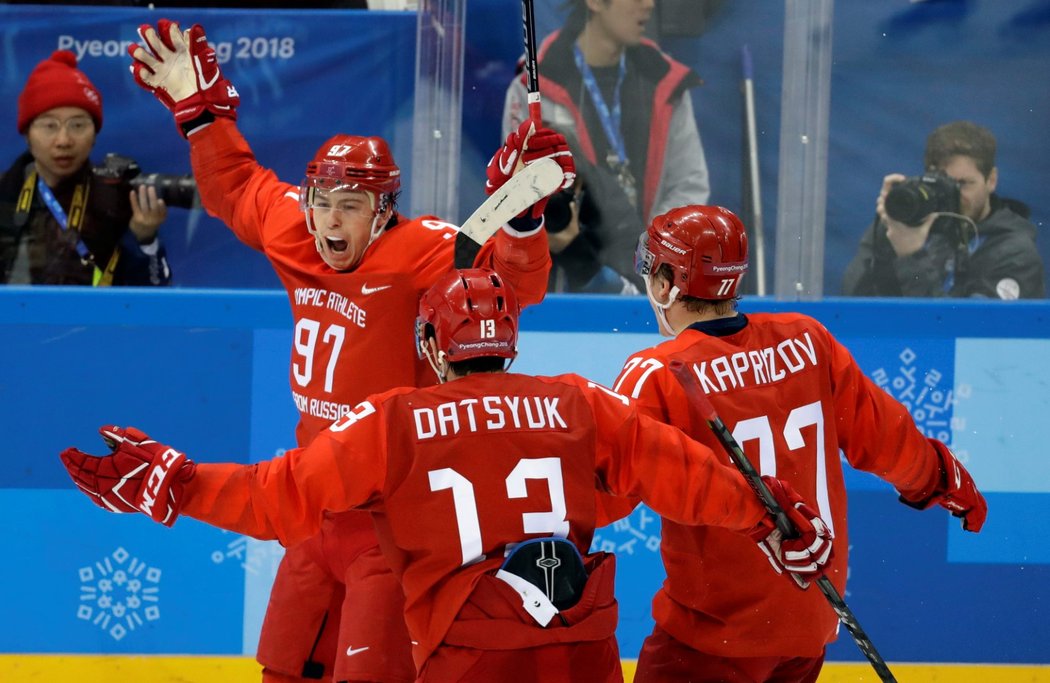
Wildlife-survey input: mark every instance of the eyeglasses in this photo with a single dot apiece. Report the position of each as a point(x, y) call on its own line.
point(77, 127)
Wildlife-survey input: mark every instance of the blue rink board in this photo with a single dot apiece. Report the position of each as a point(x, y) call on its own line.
point(208, 370)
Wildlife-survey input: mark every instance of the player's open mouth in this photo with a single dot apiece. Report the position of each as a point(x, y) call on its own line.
point(336, 245)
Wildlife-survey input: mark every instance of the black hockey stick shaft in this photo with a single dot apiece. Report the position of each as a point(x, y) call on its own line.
point(466, 249)
point(700, 404)
point(532, 72)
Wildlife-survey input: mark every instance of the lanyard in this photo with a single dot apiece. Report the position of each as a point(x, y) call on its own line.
point(76, 208)
point(52, 204)
point(610, 119)
point(100, 278)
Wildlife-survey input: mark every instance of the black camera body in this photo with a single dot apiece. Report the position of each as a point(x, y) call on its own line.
point(558, 213)
point(912, 200)
point(175, 190)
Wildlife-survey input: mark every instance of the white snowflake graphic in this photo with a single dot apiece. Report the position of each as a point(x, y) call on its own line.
point(639, 531)
point(118, 593)
point(255, 557)
point(260, 558)
point(922, 393)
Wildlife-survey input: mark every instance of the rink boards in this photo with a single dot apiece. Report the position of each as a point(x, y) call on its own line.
point(208, 372)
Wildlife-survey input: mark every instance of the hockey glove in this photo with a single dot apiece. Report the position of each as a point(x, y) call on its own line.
point(955, 491)
point(140, 475)
point(181, 70)
point(803, 556)
point(524, 146)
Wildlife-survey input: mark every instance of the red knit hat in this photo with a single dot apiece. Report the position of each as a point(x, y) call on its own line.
point(57, 82)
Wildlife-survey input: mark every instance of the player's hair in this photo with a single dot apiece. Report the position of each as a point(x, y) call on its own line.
point(961, 138)
point(482, 364)
point(695, 304)
point(470, 365)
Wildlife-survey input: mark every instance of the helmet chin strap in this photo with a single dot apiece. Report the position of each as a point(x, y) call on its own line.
point(437, 363)
point(661, 308)
point(376, 229)
point(319, 244)
point(322, 248)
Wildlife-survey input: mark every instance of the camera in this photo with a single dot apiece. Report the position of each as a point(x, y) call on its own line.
point(912, 200)
point(558, 213)
point(175, 190)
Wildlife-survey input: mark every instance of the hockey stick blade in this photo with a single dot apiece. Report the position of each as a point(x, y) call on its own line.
point(701, 405)
point(526, 187)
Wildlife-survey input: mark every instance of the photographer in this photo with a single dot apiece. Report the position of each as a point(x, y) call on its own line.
point(946, 233)
point(577, 241)
point(62, 221)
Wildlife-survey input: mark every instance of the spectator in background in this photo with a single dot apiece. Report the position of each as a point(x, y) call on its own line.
point(61, 221)
point(948, 234)
point(624, 107)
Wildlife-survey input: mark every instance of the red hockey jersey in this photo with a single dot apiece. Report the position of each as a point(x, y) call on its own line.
point(455, 474)
point(793, 398)
point(353, 330)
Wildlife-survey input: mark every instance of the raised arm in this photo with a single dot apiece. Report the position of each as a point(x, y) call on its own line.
point(180, 69)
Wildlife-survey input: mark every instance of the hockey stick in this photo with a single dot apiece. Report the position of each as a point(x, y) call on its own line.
point(523, 189)
point(523, 185)
point(532, 73)
point(701, 406)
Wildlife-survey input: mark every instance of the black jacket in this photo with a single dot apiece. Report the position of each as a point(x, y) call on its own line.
point(1000, 262)
point(53, 256)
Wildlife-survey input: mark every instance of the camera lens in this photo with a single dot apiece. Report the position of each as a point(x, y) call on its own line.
point(175, 190)
point(909, 202)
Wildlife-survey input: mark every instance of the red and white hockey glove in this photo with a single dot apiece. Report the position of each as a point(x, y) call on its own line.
point(140, 475)
point(525, 146)
point(956, 491)
point(804, 556)
point(181, 70)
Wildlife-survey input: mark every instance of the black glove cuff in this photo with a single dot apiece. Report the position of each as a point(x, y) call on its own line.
point(917, 504)
point(205, 118)
point(934, 496)
point(525, 223)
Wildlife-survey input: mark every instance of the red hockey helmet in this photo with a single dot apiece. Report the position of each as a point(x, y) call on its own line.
point(472, 312)
point(352, 162)
point(705, 246)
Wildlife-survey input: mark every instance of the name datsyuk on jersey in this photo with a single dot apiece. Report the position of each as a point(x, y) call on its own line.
point(488, 413)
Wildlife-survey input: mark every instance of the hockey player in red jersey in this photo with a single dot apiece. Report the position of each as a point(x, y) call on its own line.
point(353, 268)
point(793, 397)
point(483, 489)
